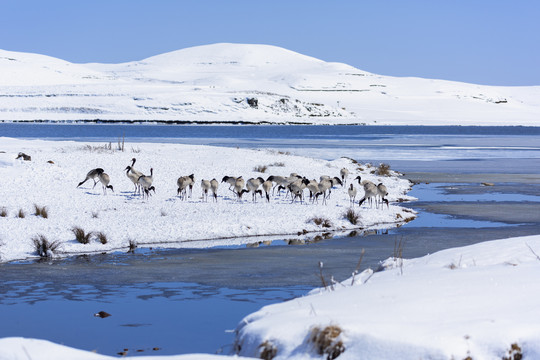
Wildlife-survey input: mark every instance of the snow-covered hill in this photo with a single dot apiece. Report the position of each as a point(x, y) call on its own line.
point(247, 83)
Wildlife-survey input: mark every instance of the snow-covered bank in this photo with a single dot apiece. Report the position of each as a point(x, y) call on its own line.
point(51, 177)
point(476, 302)
point(231, 83)
point(20, 348)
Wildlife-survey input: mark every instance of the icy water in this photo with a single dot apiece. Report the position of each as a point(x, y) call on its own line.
point(183, 301)
point(407, 148)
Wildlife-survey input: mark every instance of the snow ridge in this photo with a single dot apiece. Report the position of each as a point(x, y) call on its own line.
point(246, 83)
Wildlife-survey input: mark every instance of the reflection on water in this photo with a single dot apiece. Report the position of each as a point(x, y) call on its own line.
point(169, 316)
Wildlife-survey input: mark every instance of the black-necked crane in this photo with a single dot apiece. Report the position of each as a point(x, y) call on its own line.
point(92, 174)
point(205, 186)
point(344, 172)
point(267, 186)
point(184, 182)
point(145, 182)
point(239, 187)
point(370, 192)
point(297, 189)
point(214, 185)
point(383, 192)
point(352, 194)
point(231, 180)
point(133, 175)
point(105, 179)
point(252, 186)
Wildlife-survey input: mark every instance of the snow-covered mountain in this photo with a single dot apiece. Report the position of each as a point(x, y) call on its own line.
point(247, 83)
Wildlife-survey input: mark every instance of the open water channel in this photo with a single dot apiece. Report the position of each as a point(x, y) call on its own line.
point(185, 301)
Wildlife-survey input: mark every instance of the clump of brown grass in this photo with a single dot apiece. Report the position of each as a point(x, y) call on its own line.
point(320, 221)
point(102, 238)
point(352, 216)
point(268, 350)
point(132, 244)
point(383, 169)
point(21, 214)
point(3, 212)
point(80, 235)
point(260, 168)
point(326, 341)
point(44, 247)
point(514, 353)
point(41, 211)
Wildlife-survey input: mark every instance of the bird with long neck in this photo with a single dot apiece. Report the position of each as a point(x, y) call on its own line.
point(145, 182)
point(105, 179)
point(92, 174)
point(133, 175)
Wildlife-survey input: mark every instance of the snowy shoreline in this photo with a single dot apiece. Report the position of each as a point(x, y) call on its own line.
point(50, 178)
point(332, 122)
point(477, 301)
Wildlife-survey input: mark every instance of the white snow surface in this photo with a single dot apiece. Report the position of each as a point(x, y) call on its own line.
point(165, 220)
point(17, 348)
point(473, 301)
point(212, 83)
point(478, 301)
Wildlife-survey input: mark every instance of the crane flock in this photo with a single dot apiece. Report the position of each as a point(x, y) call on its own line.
point(294, 186)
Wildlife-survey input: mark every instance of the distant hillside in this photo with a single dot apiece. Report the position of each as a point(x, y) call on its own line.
point(250, 84)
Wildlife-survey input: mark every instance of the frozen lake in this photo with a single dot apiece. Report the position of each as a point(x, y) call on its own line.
point(184, 301)
point(466, 149)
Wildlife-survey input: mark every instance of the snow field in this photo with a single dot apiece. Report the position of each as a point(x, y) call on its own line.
point(212, 83)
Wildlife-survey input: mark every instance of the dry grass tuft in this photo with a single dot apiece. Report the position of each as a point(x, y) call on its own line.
point(44, 247)
point(41, 211)
point(3, 212)
point(80, 235)
point(326, 341)
point(102, 238)
point(320, 221)
point(260, 168)
point(514, 353)
point(268, 350)
point(132, 246)
point(21, 214)
point(352, 216)
point(383, 170)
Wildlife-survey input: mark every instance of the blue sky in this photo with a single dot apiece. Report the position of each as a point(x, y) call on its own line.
point(485, 42)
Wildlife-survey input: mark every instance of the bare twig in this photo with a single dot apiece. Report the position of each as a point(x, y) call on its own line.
point(535, 254)
point(358, 265)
